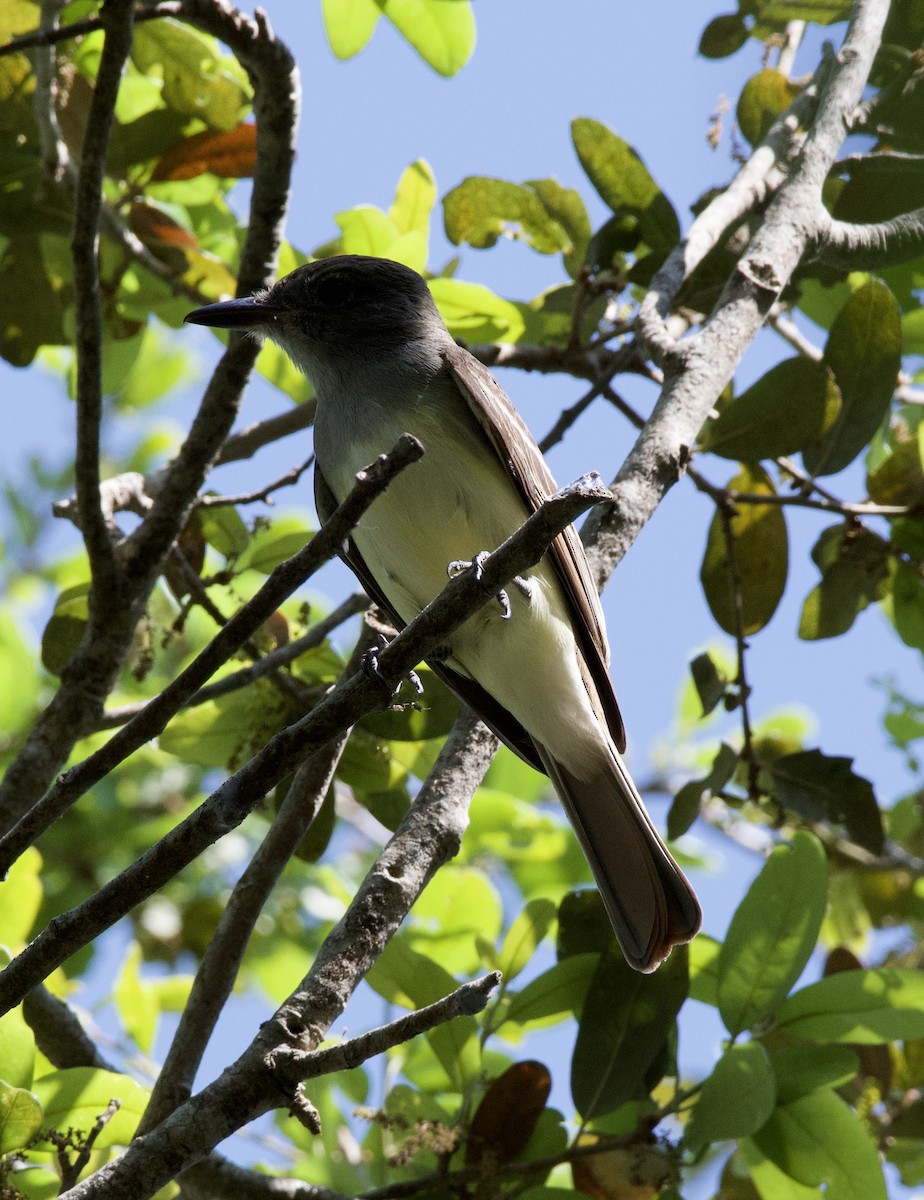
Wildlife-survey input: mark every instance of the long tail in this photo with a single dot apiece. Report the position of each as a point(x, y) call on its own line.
point(650, 904)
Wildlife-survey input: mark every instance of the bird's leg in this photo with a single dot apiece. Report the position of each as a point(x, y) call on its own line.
point(476, 565)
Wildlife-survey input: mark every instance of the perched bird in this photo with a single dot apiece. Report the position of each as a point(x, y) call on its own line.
point(367, 334)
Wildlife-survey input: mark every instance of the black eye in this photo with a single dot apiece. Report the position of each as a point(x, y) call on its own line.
point(334, 291)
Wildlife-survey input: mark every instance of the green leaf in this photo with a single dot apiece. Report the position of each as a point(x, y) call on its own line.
point(625, 184)
point(16, 920)
point(905, 604)
point(567, 208)
point(625, 1024)
point(21, 1117)
point(723, 36)
point(275, 366)
point(823, 787)
point(819, 1140)
point(270, 547)
point(415, 196)
point(772, 933)
point(762, 99)
point(761, 557)
point(198, 80)
point(459, 904)
point(832, 606)
point(136, 1002)
point(685, 807)
point(704, 969)
point(221, 732)
point(402, 976)
point(736, 1099)
point(524, 935)
point(821, 12)
point(441, 31)
point(223, 528)
point(803, 1069)
point(710, 681)
point(17, 1049)
point(480, 210)
point(864, 352)
point(76, 1096)
point(788, 409)
point(473, 312)
point(66, 627)
point(17, 669)
point(862, 1007)
point(349, 24)
point(772, 1183)
point(560, 990)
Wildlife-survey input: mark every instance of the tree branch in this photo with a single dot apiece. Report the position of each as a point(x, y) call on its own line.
point(227, 807)
point(850, 247)
point(153, 718)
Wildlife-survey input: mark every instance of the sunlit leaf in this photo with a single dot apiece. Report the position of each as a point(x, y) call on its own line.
point(349, 24)
point(819, 1140)
point(21, 1117)
point(77, 1096)
point(863, 1007)
point(441, 31)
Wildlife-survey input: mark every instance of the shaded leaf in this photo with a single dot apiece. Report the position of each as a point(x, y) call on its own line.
point(626, 1021)
point(788, 409)
point(864, 352)
point(761, 557)
point(431, 715)
point(561, 989)
point(685, 807)
point(710, 681)
point(736, 1099)
point(66, 627)
point(270, 547)
point(723, 36)
point(803, 1069)
point(230, 154)
point(824, 787)
point(772, 933)
point(524, 935)
point(508, 1113)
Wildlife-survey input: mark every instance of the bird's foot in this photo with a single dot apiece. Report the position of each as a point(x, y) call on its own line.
point(370, 664)
point(476, 565)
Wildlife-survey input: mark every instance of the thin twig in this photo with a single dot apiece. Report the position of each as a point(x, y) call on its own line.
point(264, 493)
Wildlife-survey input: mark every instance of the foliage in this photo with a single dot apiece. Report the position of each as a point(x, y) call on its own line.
point(817, 1082)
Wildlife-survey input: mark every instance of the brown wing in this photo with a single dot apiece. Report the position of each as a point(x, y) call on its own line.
point(494, 715)
point(517, 449)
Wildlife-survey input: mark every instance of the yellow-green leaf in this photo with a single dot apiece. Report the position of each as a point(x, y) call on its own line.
point(760, 557)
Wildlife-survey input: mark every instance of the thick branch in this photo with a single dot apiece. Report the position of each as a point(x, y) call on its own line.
point(871, 247)
point(698, 368)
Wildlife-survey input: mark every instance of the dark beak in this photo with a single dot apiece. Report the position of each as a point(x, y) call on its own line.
point(234, 314)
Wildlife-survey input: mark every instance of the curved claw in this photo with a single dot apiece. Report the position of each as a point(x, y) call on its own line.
point(476, 566)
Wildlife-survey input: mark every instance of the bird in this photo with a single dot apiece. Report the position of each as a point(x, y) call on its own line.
point(367, 334)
